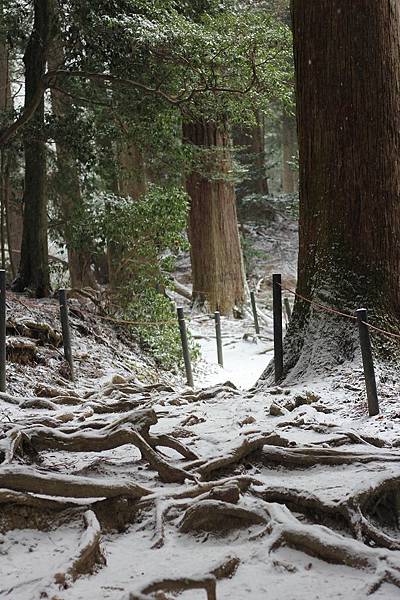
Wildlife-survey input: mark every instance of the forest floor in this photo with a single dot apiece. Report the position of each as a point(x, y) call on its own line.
point(128, 485)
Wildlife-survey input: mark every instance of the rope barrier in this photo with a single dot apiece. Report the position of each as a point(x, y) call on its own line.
point(317, 305)
point(389, 333)
point(338, 312)
point(128, 322)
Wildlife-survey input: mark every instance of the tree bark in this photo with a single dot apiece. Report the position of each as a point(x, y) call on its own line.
point(289, 175)
point(69, 189)
point(9, 210)
point(213, 230)
point(132, 173)
point(129, 180)
point(347, 60)
point(34, 268)
point(252, 156)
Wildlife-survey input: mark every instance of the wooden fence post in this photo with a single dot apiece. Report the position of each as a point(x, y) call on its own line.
point(277, 313)
point(368, 363)
point(217, 318)
point(185, 347)
point(254, 309)
point(66, 332)
point(2, 330)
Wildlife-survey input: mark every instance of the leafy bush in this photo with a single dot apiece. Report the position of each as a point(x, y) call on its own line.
point(143, 237)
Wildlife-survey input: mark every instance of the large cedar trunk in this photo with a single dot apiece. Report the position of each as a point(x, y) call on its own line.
point(217, 266)
point(347, 59)
point(289, 142)
point(33, 269)
point(69, 190)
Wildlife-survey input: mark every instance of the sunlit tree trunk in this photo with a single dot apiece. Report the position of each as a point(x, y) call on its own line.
point(347, 59)
point(213, 231)
point(33, 271)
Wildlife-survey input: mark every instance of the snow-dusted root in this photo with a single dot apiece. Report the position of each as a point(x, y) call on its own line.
point(167, 441)
point(316, 540)
point(276, 451)
point(132, 428)
point(89, 553)
point(86, 559)
point(212, 515)
point(208, 582)
point(227, 491)
point(22, 478)
point(28, 499)
point(235, 455)
point(310, 456)
point(354, 509)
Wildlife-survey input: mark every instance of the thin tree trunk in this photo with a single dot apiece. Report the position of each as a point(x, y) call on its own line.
point(69, 192)
point(130, 180)
point(258, 149)
point(8, 218)
point(34, 265)
point(289, 143)
point(5, 105)
point(251, 154)
point(213, 229)
point(131, 174)
point(348, 111)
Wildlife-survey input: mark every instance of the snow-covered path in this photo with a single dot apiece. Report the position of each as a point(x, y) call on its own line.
point(214, 486)
point(245, 354)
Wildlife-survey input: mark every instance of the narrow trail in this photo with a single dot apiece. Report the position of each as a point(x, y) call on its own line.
point(245, 354)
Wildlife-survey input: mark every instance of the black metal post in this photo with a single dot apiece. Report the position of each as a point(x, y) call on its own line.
point(2, 330)
point(287, 308)
point(368, 363)
point(277, 312)
point(185, 347)
point(218, 335)
point(66, 332)
point(254, 309)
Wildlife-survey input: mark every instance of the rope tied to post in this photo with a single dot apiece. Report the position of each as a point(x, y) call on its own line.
point(331, 310)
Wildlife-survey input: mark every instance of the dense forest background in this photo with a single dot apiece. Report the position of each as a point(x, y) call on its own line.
point(132, 131)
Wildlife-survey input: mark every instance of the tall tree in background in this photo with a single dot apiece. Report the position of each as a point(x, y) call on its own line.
point(289, 150)
point(33, 269)
point(347, 60)
point(5, 106)
point(251, 154)
point(217, 266)
point(68, 188)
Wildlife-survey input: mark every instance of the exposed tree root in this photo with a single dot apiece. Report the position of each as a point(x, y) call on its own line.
point(132, 428)
point(349, 509)
point(25, 479)
point(211, 515)
point(207, 495)
point(28, 499)
point(303, 457)
point(327, 545)
point(89, 553)
point(88, 557)
point(244, 449)
point(181, 584)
